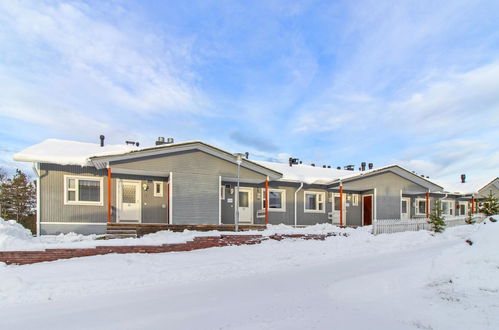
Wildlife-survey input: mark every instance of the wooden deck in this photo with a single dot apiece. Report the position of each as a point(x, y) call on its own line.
point(142, 229)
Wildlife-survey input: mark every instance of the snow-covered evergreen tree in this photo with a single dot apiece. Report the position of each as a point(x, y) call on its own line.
point(490, 205)
point(436, 218)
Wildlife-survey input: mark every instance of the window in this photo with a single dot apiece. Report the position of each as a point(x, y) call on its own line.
point(81, 190)
point(314, 202)
point(462, 208)
point(404, 206)
point(277, 200)
point(421, 206)
point(158, 189)
point(447, 207)
point(355, 200)
point(222, 192)
point(336, 202)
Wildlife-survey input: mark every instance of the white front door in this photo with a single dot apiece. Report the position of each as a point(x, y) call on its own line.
point(246, 205)
point(129, 201)
point(336, 208)
point(405, 208)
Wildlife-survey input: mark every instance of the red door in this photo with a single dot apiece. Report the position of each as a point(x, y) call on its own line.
point(367, 203)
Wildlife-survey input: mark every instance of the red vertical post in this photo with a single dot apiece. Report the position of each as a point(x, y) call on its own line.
point(427, 204)
point(108, 195)
point(168, 202)
point(267, 201)
point(341, 205)
point(472, 204)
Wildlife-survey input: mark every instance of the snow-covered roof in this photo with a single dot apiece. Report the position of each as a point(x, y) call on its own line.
point(468, 187)
point(305, 173)
point(65, 152)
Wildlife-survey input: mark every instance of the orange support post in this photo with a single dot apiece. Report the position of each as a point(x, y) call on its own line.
point(472, 204)
point(267, 201)
point(427, 205)
point(341, 205)
point(168, 203)
point(108, 195)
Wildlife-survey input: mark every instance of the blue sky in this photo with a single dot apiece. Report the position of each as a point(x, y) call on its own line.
point(330, 82)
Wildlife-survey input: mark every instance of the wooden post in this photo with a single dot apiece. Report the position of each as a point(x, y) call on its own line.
point(472, 204)
point(168, 202)
point(427, 204)
point(341, 204)
point(267, 201)
point(108, 195)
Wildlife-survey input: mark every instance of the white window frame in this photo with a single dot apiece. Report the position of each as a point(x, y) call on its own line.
point(321, 198)
point(77, 178)
point(156, 194)
point(417, 206)
point(222, 192)
point(283, 200)
point(461, 205)
point(355, 199)
point(451, 208)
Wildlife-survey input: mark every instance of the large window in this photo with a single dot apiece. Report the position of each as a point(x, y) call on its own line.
point(81, 190)
point(277, 200)
point(314, 202)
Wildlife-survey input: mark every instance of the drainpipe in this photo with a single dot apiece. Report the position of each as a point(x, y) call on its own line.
point(36, 169)
point(296, 202)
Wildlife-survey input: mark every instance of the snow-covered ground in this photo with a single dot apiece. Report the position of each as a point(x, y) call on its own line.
point(412, 280)
point(14, 237)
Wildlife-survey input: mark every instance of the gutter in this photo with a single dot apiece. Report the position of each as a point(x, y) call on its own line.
point(36, 169)
point(296, 203)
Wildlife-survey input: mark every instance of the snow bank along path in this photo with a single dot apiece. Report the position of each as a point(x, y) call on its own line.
point(203, 242)
point(411, 280)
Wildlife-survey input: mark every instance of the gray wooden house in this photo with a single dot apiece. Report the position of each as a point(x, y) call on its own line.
point(83, 187)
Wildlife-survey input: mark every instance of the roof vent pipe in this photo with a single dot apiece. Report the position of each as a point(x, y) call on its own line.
point(170, 140)
point(463, 178)
point(329, 166)
point(102, 137)
point(363, 166)
point(370, 165)
point(338, 167)
point(324, 166)
point(312, 164)
point(246, 154)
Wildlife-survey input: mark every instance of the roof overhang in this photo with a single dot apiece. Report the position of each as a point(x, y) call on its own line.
point(101, 162)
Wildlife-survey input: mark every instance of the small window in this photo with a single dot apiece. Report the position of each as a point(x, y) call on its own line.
point(355, 200)
point(462, 208)
point(421, 206)
point(222, 192)
point(314, 202)
point(404, 206)
point(158, 189)
point(447, 207)
point(83, 190)
point(277, 199)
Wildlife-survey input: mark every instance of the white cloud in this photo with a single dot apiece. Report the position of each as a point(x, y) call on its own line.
point(73, 49)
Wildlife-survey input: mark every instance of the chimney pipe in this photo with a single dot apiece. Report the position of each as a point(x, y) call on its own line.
point(463, 178)
point(363, 166)
point(370, 165)
point(102, 137)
